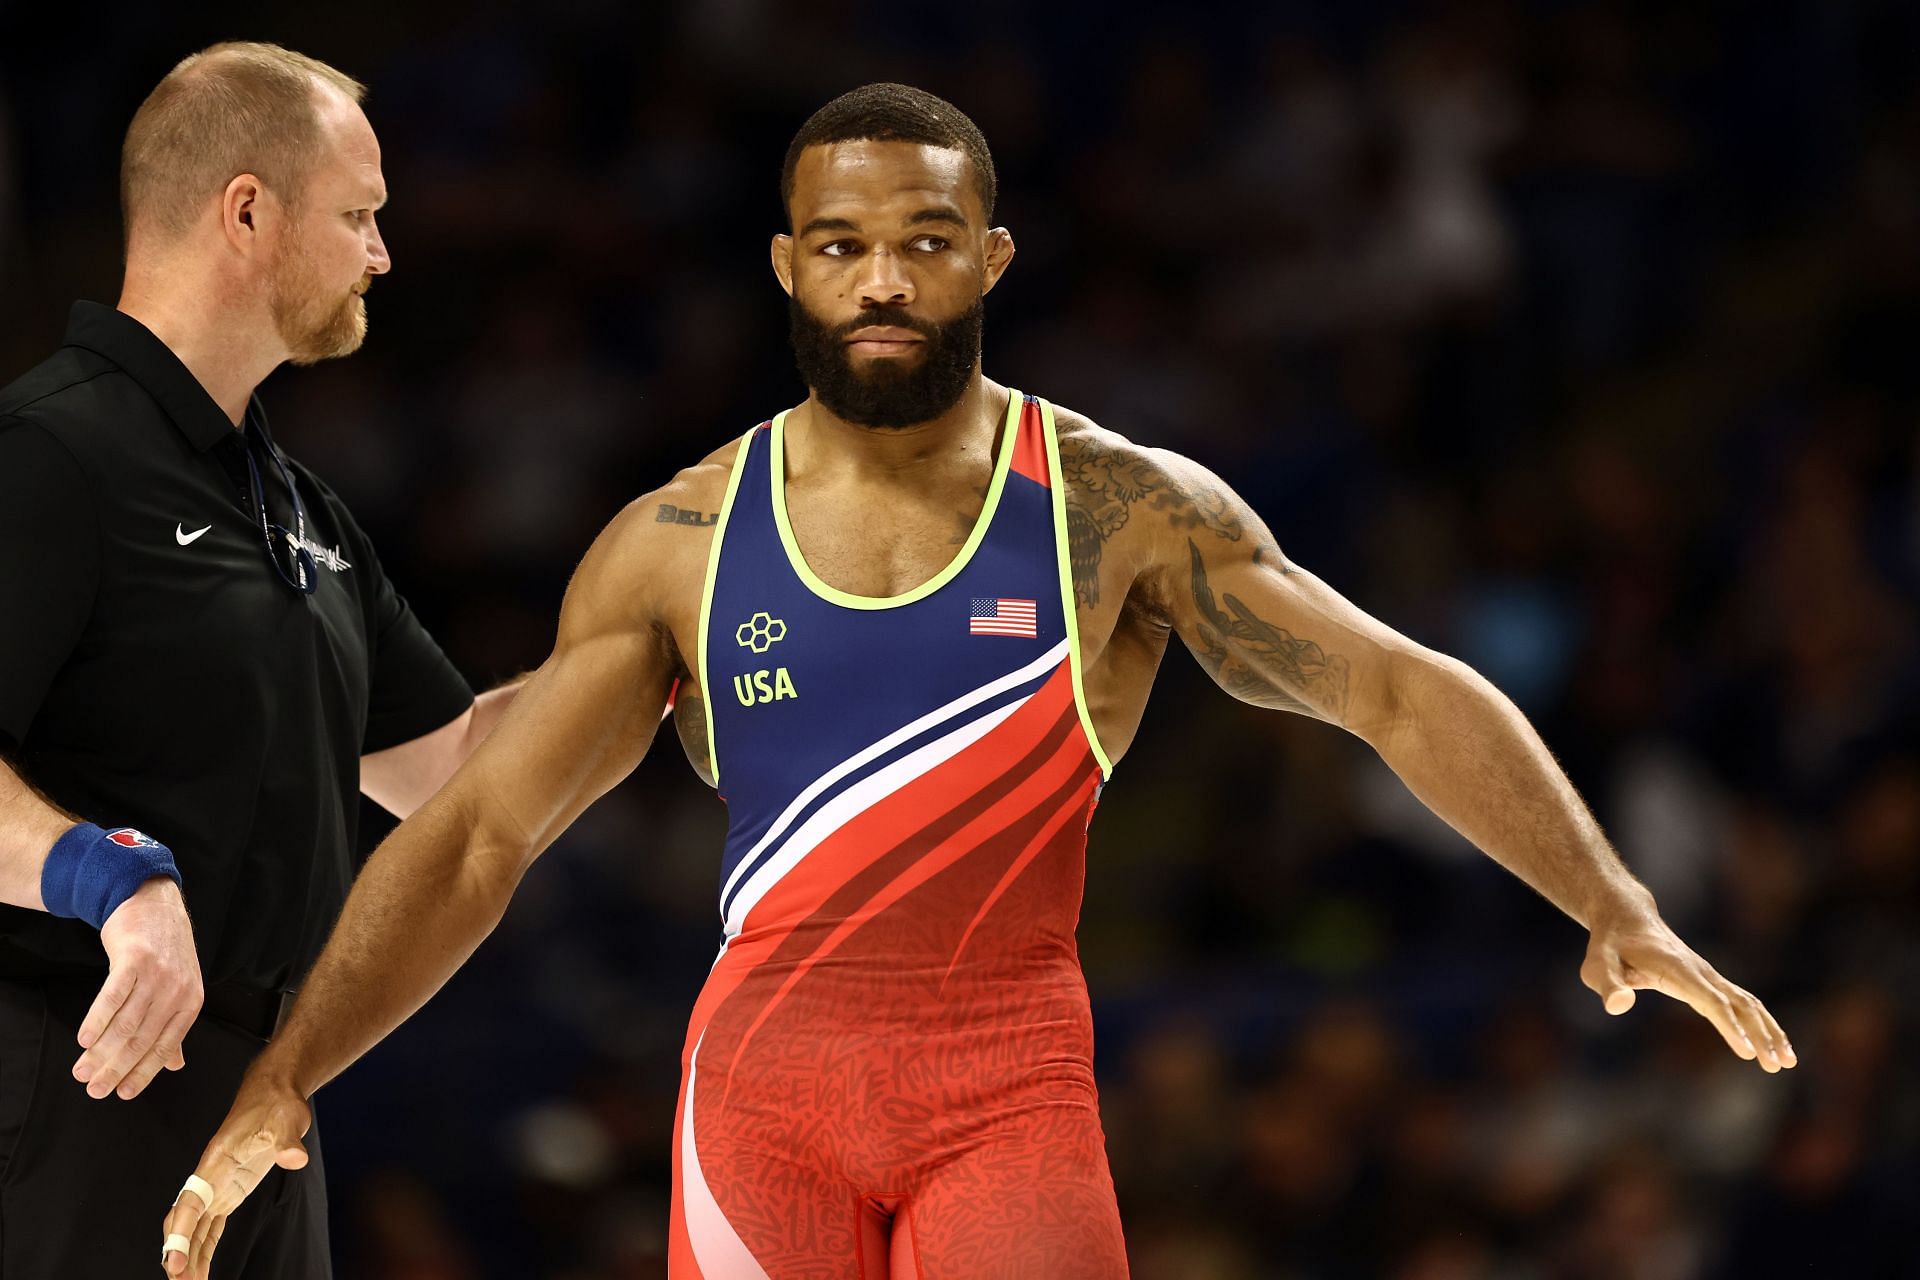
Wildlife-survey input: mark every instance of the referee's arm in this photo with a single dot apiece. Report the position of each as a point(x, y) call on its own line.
point(399, 779)
point(29, 824)
point(49, 568)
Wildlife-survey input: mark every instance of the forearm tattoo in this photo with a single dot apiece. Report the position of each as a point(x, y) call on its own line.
point(1263, 664)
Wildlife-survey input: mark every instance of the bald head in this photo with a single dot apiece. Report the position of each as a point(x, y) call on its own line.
point(231, 109)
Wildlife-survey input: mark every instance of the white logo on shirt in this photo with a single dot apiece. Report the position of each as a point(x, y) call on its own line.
point(181, 536)
point(328, 556)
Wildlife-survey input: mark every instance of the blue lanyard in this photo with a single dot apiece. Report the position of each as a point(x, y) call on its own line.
point(305, 576)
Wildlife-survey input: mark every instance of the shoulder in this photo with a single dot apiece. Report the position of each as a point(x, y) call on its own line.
point(690, 500)
point(63, 390)
point(702, 487)
point(82, 413)
point(36, 458)
point(655, 550)
point(1111, 478)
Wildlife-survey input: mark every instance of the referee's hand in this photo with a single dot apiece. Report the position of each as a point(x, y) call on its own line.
point(262, 1130)
point(151, 996)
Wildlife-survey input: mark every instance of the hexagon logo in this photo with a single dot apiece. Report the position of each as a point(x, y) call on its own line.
point(760, 632)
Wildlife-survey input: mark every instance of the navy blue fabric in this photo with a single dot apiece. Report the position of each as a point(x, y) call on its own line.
point(90, 871)
point(857, 674)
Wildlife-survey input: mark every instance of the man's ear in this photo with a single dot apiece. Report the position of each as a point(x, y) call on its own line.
point(243, 205)
point(782, 253)
point(999, 255)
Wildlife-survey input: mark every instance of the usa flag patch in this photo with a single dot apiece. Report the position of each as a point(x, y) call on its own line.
point(997, 616)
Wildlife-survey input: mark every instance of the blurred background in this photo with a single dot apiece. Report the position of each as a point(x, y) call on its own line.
point(1577, 339)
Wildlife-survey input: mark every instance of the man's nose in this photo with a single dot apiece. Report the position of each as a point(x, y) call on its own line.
point(379, 262)
point(884, 280)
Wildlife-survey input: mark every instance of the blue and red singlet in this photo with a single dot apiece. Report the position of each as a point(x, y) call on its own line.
point(888, 1075)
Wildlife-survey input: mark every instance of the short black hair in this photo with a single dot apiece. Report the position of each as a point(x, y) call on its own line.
point(892, 113)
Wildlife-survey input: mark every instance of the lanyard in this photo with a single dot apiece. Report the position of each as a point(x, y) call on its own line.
point(305, 572)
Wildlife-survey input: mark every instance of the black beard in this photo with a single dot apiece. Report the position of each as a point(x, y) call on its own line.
point(891, 394)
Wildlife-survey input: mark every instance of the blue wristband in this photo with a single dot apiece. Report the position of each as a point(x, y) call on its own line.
point(89, 872)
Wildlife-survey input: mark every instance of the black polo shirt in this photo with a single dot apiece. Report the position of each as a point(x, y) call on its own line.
point(156, 672)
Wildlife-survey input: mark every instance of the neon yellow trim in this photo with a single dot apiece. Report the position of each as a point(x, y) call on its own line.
point(846, 599)
point(706, 591)
point(1067, 603)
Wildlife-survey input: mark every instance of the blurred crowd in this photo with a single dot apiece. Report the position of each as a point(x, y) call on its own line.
point(1577, 339)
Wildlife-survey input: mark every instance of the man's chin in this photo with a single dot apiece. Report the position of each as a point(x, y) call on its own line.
point(885, 368)
point(337, 341)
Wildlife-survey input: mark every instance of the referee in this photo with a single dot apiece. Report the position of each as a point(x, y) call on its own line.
point(201, 664)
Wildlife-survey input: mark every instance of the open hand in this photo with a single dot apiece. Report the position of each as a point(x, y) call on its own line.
point(151, 996)
point(1637, 951)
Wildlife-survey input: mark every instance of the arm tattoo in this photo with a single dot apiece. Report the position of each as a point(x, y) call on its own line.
point(1103, 487)
point(690, 721)
point(1266, 665)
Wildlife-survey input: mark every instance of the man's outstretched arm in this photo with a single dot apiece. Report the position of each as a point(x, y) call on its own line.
point(1272, 634)
point(441, 882)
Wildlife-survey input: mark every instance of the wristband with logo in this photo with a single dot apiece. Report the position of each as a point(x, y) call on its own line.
point(90, 871)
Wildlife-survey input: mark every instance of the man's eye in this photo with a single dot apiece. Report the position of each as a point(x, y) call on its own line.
point(838, 249)
point(361, 215)
point(930, 244)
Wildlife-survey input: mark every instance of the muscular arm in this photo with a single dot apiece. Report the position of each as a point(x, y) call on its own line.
point(438, 885)
point(1274, 635)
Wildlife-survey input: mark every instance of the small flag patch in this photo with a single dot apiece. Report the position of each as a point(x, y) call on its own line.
point(994, 616)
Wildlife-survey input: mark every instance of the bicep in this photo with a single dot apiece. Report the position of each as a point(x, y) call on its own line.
point(584, 719)
point(579, 725)
point(1272, 634)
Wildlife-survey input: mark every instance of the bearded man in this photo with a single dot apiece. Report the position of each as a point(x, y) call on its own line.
point(889, 1072)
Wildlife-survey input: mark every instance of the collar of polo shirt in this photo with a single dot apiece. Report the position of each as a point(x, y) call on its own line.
point(150, 362)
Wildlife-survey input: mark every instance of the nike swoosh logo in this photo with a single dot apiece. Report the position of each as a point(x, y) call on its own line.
point(181, 536)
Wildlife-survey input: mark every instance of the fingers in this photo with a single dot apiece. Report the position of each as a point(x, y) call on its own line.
point(113, 994)
point(134, 1028)
point(164, 1053)
point(1788, 1056)
point(152, 993)
point(182, 1223)
point(205, 1243)
point(1775, 1053)
point(1742, 1021)
point(124, 1042)
point(199, 1255)
point(1706, 999)
point(262, 1130)
point(199, 1215)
